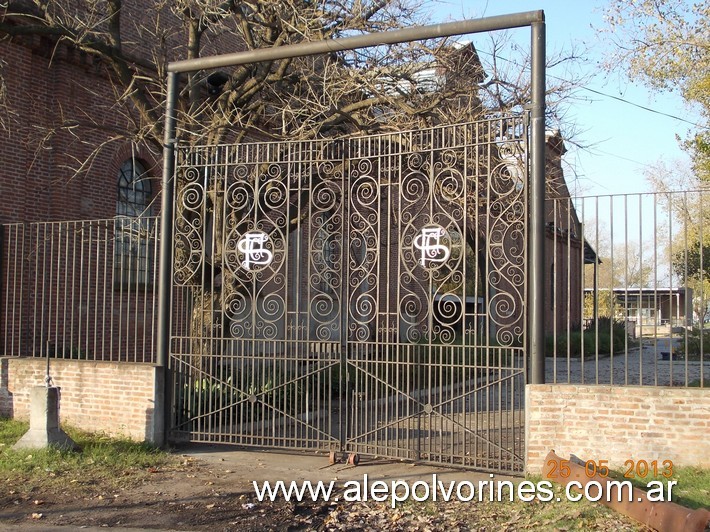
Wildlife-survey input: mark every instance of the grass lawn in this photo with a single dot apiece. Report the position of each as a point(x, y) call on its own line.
point(118, 466)
point(100, 460)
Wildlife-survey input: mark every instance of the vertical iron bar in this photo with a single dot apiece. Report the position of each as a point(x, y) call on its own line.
point(97, 288)
point(89, 270)
point(17, 238)
point(43, 242)
point(554, 292)
point(583, 290)
point(537, 206)
point(612, 293)
point(105, 276)
point(25, 236)
point(571, 229)
point(165, 276)
point(684, 286)
point(642, 282)
point(343, 399)
point(64, 285)
point(655, 292)
point(153, 295)
point(6, 271)
point(702, 313)
point(670, 284)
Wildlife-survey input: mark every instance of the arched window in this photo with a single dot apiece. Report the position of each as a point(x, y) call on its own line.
point(134, 227)
point(134, 190)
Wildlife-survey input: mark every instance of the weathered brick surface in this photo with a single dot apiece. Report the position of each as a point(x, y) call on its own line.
point(618, 424)
point(37, 154)
point(115, 398)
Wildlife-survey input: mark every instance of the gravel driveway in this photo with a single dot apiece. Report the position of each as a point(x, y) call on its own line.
point(640, 365)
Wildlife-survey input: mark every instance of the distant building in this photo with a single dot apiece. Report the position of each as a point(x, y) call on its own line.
point(651, 308)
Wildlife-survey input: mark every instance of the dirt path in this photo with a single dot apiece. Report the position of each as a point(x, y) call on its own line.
point(212, 490)
point(190, 496)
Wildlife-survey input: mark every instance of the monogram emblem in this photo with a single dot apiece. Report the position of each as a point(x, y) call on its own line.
point(252, 246)
point(430, 245)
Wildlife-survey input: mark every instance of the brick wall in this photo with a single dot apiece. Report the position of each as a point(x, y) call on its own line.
point(47, 87)
point(617, 424)
point(116, 398)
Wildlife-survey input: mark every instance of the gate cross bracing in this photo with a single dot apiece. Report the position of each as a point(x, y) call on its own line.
point(361, 294)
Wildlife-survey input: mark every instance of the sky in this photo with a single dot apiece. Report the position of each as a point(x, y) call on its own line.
point(622, 140)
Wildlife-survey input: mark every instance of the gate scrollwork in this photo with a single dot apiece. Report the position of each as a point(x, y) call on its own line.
point(417, 236)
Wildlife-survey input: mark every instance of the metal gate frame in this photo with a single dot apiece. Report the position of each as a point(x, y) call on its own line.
point(371, 302)
point(536, 189)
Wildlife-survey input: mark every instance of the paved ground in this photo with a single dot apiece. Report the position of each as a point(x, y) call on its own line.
point(261, 466)
point(625, 369)
point(212, 490)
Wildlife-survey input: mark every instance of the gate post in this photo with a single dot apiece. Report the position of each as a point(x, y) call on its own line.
point(162, 409)
point(536, 303)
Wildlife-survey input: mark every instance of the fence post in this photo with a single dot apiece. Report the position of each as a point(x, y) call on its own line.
point(536, 305)
point(162, 386)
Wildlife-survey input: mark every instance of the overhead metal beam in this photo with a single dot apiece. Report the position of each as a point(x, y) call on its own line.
point(417, 33)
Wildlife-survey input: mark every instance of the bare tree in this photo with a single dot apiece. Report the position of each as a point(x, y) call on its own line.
point(416, 83)
point(665, 45)
point(291, 98)
point(379, 89)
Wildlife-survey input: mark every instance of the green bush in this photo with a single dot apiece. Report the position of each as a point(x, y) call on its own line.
point(699, 345)
point(606, 339)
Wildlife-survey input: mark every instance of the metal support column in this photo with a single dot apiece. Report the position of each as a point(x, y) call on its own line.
point(536, 305)
point(162, 393)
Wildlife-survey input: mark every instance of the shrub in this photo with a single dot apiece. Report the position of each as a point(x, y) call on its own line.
point(699, 345)
point(607, 338)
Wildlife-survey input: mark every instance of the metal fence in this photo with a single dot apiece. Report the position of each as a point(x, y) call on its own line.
point(645, 305)
point(80, 289)
point(636, 313)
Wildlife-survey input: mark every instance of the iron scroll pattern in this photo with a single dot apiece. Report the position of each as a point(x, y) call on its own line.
point(364, 245)
point(436, 192)
point(506, 238)
point(255, 200)
point(189, 227)
point(252, 222)
point(396, 279)
point(361, 251)
point(325, 253)
point(433, 199)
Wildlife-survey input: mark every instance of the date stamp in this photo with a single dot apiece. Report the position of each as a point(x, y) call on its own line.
point(633, 469)
point(614, 482)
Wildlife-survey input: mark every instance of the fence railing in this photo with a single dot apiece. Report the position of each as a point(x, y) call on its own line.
point(629, 289)
point(80, 289)
point(627, 285)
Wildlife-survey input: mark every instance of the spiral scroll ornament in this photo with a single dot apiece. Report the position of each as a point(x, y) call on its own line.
point(506, 247)
point(189, 225)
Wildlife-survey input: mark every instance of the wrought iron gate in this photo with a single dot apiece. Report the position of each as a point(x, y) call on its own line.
point(361, 294)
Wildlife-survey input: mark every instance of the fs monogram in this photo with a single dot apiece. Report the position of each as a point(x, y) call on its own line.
point(430, 245)
point(252, 246)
